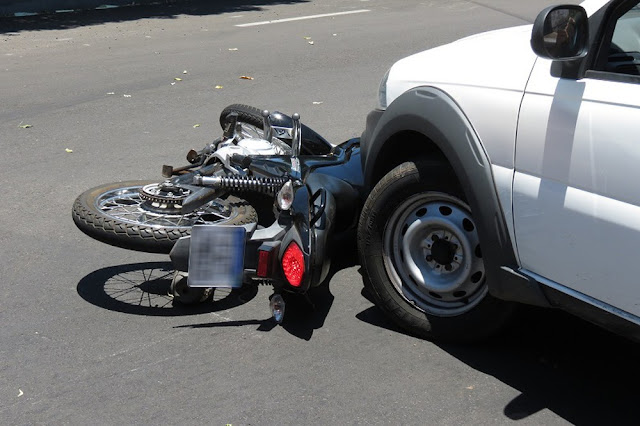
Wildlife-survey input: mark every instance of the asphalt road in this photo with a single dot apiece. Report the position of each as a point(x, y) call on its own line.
point(87, 335)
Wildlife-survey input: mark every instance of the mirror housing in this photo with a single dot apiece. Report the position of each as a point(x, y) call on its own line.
point(561, 33)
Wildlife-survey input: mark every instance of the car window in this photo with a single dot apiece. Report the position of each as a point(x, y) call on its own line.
point(624, 48)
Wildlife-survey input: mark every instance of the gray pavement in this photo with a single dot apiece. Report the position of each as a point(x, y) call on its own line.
point(87, 335)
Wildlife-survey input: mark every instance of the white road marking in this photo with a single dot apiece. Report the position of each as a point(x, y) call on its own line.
point(301, 18)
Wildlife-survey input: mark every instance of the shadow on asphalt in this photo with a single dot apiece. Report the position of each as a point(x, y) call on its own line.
point(304, 313)
point(143, 289)
point(302, 316)
point(557, 362)
point(58, 21)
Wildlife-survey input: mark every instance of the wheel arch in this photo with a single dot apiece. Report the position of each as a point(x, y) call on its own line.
point(436, 127)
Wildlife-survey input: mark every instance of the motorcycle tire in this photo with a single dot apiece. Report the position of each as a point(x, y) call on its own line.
point(115, 214)
point(246, 114)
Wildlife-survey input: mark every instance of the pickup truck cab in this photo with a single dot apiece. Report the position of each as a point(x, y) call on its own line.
point(504, 168)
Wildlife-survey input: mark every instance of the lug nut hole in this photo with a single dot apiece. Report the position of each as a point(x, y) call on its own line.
point(445, 211)
point(468, 225)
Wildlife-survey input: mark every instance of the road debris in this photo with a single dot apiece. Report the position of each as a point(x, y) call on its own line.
point(127, 96)
point(219, 87)
point(311, 42)
point(68, 151)
point(246, 77)
point(177, 79)
point(20, 393)
point(184, 72)
point(111, 93)
point(317, 102)
point(25, 126)
point(195, 126)
point(233, 49)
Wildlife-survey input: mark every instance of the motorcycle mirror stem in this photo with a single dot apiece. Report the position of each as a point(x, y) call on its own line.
point(296, 143)
point(230, 130)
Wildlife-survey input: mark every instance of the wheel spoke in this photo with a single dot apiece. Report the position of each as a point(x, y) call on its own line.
point(126, 205)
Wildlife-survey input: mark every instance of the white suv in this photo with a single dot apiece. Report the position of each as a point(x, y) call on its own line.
point(503, 168)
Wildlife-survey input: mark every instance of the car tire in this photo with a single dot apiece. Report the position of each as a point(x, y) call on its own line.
point(421, 257)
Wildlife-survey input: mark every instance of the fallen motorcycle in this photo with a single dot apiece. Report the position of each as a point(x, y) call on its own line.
point(261, 204)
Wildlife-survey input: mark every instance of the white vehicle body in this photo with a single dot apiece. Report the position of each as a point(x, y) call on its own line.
point(564, 154)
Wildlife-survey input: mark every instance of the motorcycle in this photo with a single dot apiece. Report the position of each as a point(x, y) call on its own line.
point(260, 205)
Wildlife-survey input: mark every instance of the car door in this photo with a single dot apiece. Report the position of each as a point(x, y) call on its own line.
point(576, 189)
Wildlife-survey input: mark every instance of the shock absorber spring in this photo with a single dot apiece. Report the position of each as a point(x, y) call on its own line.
point(242, 183)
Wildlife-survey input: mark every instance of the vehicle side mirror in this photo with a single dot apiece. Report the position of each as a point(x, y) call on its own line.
point(561, 33)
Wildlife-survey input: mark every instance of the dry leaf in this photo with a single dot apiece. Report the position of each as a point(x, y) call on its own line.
point(69, 151)
point(219, 87)
point(25, 126)
point(245, 77)
point(177, 79)
point(196, 125)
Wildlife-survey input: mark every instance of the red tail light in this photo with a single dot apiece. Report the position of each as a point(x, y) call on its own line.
point(264, 263)
point(293, 264)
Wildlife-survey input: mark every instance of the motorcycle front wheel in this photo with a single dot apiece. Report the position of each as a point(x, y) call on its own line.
point(117, 214)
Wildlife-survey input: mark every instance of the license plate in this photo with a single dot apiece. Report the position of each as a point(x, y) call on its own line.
point(216, 256)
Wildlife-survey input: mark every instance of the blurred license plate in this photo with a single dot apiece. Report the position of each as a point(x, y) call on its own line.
point(216, 256)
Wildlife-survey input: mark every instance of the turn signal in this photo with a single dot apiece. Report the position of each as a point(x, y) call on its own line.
point(293, 264)
point(285, 196)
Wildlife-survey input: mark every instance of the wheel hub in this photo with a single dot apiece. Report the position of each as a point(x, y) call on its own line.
point(163, 197)
point(442, 252)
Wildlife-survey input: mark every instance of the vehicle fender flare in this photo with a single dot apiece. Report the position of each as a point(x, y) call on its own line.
point(433, 113)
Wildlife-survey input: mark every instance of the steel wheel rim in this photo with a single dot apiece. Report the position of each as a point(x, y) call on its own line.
point(432, 254)
point(126, 205)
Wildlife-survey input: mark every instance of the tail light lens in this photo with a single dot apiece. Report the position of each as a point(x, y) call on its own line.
point(264, 264)
point(293, 264)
